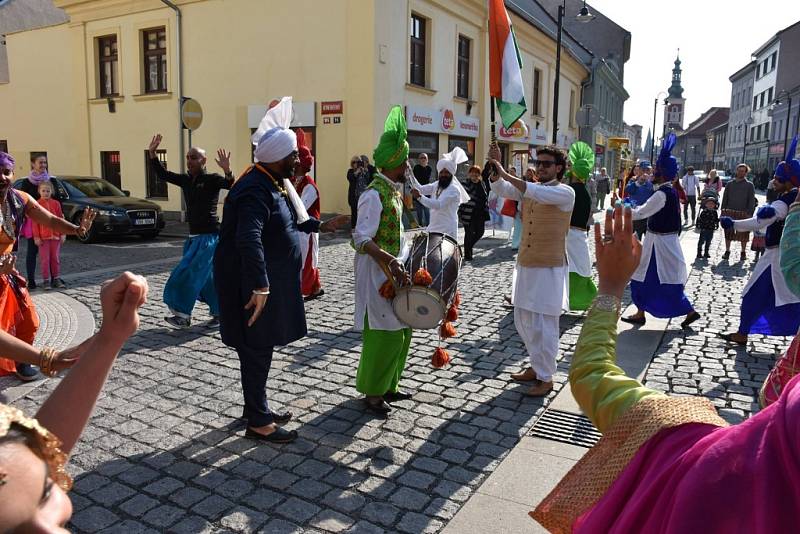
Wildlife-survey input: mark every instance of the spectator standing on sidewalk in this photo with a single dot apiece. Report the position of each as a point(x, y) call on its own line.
point(691, 185)
point(49, 241)
point(603, 188)
point(422, 173)
point(30, 185)
point(738, 202)
point(193, 278)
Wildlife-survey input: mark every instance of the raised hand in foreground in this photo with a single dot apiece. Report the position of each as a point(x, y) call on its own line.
point(618, 251)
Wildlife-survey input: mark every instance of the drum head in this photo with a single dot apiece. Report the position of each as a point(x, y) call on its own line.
point(419, 307)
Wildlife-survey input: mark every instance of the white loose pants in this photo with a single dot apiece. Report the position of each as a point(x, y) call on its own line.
point(540, 333)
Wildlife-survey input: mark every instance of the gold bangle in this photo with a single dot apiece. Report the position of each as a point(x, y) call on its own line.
point(47, 357)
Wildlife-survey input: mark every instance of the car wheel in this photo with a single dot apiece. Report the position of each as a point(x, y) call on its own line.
point(91, 235)
point(150, 235)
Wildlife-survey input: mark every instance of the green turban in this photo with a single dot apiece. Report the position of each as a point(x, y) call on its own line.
point(392, 150)
point(581, 157)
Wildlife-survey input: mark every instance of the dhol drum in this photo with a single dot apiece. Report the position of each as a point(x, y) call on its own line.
point(422, 307)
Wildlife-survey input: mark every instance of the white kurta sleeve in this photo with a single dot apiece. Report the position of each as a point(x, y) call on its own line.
point(369, 217)
point(754, 223)
point(309, 196)
point(653, 205)
point(503, 189)
point(428, 189)
point(562, 196)
point(449, 197)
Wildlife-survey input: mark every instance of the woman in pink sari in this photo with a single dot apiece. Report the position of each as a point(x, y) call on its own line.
point(667, 464)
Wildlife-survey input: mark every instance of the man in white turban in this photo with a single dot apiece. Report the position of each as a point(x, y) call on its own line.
point(257, 268)
point(444, 196)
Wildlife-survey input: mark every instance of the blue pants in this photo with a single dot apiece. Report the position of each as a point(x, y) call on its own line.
point(193, 278)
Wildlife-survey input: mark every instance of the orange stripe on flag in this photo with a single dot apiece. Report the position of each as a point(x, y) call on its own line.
point(499, 33)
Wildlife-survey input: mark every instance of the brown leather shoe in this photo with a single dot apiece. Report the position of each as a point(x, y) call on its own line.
point(528, 375)
point(539, 389)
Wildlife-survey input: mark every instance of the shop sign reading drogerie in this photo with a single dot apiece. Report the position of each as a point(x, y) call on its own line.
point(441, 121)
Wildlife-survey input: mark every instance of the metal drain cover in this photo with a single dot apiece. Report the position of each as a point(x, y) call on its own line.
point(566, 427)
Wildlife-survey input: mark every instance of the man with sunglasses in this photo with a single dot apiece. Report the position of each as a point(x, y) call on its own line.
point(539, 288)
point(193, 278)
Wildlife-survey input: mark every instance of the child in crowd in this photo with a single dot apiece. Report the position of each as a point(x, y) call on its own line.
point(707, 222)
point(49, 241)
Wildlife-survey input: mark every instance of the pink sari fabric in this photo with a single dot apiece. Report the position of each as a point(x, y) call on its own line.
point(700, 478)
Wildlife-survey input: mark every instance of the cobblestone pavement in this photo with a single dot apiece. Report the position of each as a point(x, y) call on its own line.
point(164, 452)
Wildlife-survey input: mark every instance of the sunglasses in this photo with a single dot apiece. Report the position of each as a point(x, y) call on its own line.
point(6, 172)
point(546, 164)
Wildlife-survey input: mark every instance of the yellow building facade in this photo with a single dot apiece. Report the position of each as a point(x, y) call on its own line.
point(91, 92)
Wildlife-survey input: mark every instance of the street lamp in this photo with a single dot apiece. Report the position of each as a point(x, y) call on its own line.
point(655, 107)
point(583, 16)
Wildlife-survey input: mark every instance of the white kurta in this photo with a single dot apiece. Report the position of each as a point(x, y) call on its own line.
point(308, 197)
point(369, 277)
point(444, 208)
point(580, 262)
point(772, 256)
point(667, 248)
point(540, 289)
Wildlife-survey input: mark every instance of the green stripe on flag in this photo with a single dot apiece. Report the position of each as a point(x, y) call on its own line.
point(510, 112)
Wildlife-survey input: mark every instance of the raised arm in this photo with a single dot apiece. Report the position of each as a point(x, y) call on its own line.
point(69, 407)
point(448, 198)
point(35, 211)
point(563, 197)
point(601, 388)
point(653, 205)
point(156, 166)
point(761, 220)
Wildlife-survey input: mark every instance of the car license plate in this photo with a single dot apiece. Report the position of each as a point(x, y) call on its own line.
point(142, 222)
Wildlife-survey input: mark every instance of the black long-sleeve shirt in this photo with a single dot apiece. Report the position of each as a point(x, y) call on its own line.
point(201, 194)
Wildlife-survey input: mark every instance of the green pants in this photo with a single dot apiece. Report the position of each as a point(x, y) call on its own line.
point(383, 358)
point(581, 292)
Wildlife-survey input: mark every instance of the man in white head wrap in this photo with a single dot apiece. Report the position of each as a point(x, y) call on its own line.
point(444, 196)
point(257, 268)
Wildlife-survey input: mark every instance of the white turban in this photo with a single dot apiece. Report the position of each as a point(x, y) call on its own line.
point(274, 141)
point(273, 138)
point(450, 161)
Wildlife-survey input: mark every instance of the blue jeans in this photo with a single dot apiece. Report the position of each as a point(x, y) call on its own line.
point(423, 214)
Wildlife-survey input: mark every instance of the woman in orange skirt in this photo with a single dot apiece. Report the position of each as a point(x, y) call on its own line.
point(17, 314)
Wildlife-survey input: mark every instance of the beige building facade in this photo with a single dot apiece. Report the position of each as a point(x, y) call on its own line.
point(92, 91)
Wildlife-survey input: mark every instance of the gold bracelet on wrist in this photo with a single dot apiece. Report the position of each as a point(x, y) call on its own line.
point(47, 357)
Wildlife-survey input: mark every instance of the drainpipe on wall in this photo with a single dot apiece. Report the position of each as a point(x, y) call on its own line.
point(178, 49)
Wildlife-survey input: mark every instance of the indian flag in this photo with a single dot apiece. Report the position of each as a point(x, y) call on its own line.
point(505, 66)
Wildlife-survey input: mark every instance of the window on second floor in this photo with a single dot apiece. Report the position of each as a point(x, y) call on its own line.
point(418, 51)
point(155, 60)
point(537, 92)
point(761, 100)
point(769, 97)
point(462, 77)
point(755, 102)
point(766, 131)
point(107, 65)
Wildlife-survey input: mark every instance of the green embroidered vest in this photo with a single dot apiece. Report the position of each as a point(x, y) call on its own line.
point(390, 228)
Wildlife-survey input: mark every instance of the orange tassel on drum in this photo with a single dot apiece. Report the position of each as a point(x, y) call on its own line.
point(447, 330)
point(422, 278)
point(457, 300)
point(387, 290)
point(440, 358)
point(452, 313)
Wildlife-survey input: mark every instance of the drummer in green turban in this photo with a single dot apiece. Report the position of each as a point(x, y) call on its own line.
point(581, 287)
point(378, 239)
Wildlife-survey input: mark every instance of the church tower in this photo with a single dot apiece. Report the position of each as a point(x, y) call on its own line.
point(673, 111)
